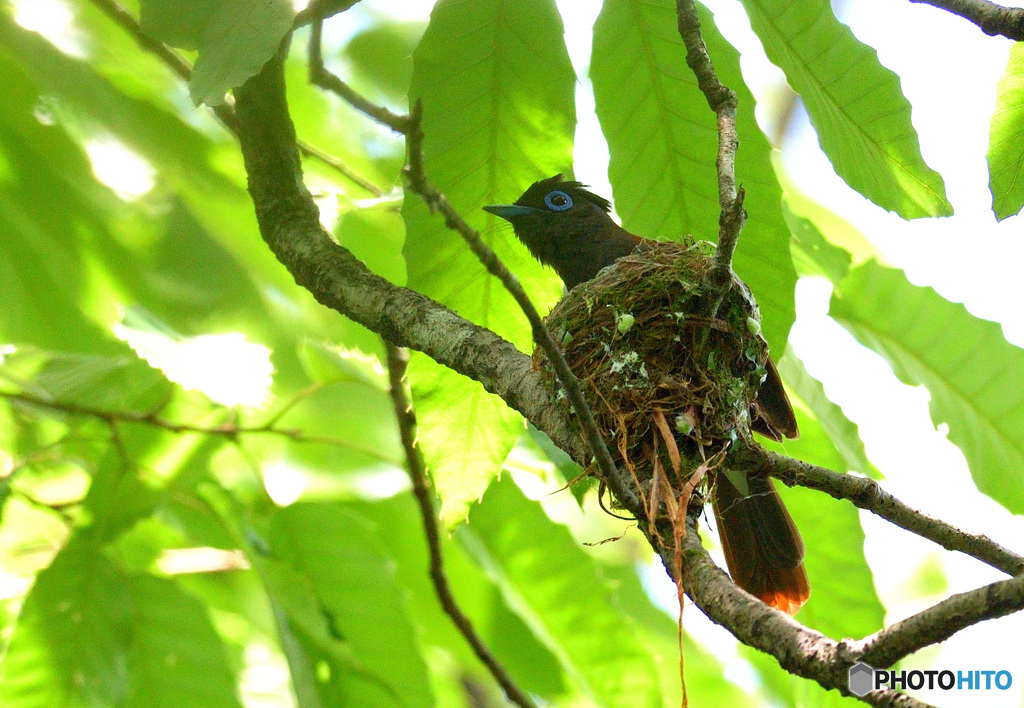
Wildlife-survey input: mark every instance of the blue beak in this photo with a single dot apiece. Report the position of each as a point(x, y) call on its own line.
point(509, 211)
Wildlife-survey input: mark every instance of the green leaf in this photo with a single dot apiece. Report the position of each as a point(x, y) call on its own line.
point(1006, 139)
point(498, 113)
point(552, 583)
point(336, 553)
point(176, 656)
point(69, 646)
point(663, 144)
point(973, 374)
point(842, 431)
point(856, 105)
point(235, 38)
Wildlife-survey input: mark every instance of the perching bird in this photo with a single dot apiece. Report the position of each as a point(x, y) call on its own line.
point(570, 229)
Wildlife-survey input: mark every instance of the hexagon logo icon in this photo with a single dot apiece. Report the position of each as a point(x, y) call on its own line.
point(861, 679)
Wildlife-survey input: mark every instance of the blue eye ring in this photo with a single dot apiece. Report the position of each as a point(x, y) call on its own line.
point(558, 201)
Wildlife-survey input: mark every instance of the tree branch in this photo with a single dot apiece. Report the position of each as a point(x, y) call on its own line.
point(289, 224)
point(320, 76)
point(941, 621)
point(227, 430)
point(398, 361)
point(867, 494)
point(799, 650)
point(991, 18)
point(722, 101)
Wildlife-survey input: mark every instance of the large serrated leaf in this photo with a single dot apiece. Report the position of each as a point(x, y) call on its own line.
point(1006, 139)
point(663, 143)
point(856, 105)
point(558, 590)
point(973, 374)
point(498, 113)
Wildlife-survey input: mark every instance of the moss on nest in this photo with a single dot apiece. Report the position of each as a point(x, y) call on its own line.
point(640, 340)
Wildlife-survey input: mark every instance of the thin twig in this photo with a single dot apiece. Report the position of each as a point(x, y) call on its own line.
point(437, 202)
point(398, 361)
point(722, 101)
point(227, 430)
point(867, 494)
point(320, 76)
point(993, 19)
point(224, 112)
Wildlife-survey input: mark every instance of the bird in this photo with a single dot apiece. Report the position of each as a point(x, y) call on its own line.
point(570, 229)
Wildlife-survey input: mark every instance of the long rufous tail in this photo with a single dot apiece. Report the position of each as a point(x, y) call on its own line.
point(762, 546)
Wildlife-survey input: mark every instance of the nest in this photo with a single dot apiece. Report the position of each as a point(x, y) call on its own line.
point(659, 370)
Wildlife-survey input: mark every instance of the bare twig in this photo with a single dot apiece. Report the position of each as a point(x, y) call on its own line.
point(437, 202)
point(867, 494)
point(993, 19)
point(398, 361)
point(180, 66)
point(722, 100)
point(227, 430)
point(320, 76)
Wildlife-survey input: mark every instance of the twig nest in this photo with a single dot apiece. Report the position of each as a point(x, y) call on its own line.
point(645, 345)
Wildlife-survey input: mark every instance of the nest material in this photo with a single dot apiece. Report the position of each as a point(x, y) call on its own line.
point(641, 339)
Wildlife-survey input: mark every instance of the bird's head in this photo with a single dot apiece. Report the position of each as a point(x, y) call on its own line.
point(552, 211)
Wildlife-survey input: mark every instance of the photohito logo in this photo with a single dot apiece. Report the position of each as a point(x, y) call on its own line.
point(863, 678)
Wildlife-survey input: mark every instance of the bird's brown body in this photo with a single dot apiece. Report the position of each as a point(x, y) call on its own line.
point(570, 229)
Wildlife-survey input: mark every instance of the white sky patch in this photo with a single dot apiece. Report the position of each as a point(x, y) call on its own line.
point(54, 20)
point(120, 168)
point(226, 367)
point(284, 483)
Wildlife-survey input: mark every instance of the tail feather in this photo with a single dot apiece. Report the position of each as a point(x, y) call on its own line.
point(762, 546)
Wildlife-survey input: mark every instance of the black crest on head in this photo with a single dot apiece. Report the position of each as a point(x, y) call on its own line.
point(534, 196)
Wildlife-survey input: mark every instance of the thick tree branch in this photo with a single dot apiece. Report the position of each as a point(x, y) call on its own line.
point(398, 362)
point(290, 225)
point(993, 19)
